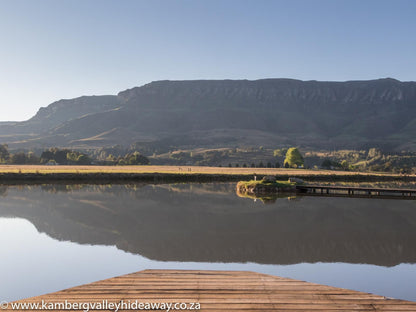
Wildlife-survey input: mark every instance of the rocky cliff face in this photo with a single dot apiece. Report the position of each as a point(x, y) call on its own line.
point(285, 93)
point(269, 112)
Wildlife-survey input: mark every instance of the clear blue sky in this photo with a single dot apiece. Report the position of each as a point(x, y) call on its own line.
point(54, 49)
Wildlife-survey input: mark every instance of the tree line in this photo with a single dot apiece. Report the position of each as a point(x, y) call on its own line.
point(56, 156)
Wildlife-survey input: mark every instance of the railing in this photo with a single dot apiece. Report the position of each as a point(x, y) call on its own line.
point(348, 190)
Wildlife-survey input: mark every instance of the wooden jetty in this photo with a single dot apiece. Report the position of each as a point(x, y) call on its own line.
point(350, 190)
point(222, 291)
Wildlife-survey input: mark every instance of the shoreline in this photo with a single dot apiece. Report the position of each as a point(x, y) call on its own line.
point(158, 177)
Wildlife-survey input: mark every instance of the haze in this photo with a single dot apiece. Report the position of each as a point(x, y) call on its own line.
point(63, 49)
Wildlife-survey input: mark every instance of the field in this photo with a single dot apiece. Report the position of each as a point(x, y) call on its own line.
point(41, 169)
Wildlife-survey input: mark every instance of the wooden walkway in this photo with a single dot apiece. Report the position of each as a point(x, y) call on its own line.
point(349, 190)
point(224, 291)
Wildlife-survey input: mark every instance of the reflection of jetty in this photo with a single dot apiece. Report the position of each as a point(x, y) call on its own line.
point(244, 231)
point(218, 291)
point(348, 190)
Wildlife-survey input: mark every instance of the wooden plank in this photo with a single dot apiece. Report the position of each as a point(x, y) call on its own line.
point(223, 291)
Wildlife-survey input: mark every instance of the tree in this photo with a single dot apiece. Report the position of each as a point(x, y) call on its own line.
point(72, 157)
point(32, 158)
point(76, 158)
point(60, 156)
point(4, 153)
point(110, 159)
point(279, 152)
point(293, 158)
point(18, 158)
point(135, 159)
point(83, 160)
point(327, 163)
point(373, 152)
point(345, 165)
point(46, 156)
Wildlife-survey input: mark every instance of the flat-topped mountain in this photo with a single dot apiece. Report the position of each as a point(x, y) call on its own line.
point(213, 113)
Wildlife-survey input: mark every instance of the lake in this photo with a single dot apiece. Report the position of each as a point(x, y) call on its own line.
point(58, 236)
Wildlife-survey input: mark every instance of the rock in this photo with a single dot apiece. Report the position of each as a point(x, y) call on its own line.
point(269, 178)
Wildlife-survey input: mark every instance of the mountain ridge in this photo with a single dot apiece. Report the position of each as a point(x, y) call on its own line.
point(280, 111)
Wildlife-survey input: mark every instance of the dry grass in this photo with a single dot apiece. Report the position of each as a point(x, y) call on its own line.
point(170, 169)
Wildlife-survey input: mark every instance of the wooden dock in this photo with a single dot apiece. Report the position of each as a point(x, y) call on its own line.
point(349, 190)
point(222, 291)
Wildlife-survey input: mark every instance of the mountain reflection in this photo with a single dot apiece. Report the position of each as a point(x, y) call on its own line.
point(209, 223)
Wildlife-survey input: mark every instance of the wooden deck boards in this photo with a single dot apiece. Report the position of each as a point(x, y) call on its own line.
point(223, 291)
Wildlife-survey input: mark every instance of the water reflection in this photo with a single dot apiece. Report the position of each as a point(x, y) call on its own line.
point(209, 223)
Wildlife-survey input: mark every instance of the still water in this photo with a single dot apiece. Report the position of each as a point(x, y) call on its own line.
point(57, 236)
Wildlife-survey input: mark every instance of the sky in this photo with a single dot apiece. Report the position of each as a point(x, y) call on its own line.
point(51, 50)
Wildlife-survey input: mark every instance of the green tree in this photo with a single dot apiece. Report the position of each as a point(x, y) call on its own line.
point(19, 158)
point(110, 159)
point(32, 158)
point(373, 152)
point(279, 152)
point(345, 165)
point(46, 156)
point(293, 158)
point(60, 156)
point(72, 157)
point(83, 160)
point(4, 153)
point(135, 159)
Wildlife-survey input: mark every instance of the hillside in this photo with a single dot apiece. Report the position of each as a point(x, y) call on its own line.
point(230, 113)
point(55, 114)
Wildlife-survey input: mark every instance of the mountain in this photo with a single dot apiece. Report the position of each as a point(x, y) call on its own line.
point(55, 114)
point(229, 113)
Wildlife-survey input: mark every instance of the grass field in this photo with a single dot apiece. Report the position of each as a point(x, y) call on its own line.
point(173, 170)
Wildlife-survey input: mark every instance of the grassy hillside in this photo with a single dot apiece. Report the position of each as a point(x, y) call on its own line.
point(169, 115)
